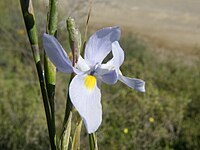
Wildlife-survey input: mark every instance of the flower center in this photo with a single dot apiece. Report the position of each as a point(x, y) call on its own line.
point(90, 82)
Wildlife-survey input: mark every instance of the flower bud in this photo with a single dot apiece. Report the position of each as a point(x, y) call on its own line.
point(74, 39)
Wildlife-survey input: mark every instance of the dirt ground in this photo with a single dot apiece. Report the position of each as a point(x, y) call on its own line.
point(168, 24)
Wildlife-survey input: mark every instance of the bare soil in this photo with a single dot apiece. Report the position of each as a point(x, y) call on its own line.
point(170, 25)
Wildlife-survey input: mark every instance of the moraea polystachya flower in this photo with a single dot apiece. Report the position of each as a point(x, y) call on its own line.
point(84, 89)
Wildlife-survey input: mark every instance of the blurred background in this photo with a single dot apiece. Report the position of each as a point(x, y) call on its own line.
point(161, 40)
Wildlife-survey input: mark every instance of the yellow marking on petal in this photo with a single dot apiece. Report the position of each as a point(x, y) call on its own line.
point(90, 82)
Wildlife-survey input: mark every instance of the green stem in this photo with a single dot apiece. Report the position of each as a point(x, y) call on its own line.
point(52, 17)
point(29, 19)
point(69, 105)
point(75, 45)
point(50, 85)
point(66, 133)
point(50, 70)
point(93, 141)
point(64, 139)
point(77, 134)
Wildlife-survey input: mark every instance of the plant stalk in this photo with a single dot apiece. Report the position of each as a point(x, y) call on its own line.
point(75, 45)
point(50, 69)
point(30, 23)
point(93, 141)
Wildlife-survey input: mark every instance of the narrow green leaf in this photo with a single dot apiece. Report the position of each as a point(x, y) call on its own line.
point(66, 134)
point(77, 134)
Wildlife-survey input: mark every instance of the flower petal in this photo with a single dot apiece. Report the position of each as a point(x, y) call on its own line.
point(134, 83)
point(106, 74)
point(110, 78)
point(57, 54)
point(118, 54)
point(100, 44)
point(108, 66)
point(82, 65)
point(86, 98)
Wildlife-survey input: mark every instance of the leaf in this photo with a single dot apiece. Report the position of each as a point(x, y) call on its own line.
point(77, 134)
point(66, 134)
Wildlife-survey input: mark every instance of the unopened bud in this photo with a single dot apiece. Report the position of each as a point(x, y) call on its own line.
point(74, 39)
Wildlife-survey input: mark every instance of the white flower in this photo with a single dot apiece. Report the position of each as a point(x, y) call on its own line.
point(84, 90)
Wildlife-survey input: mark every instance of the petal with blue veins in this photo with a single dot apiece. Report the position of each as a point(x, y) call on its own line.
point(134, 83)
point(86, 98)
point(107, 76)
point(100, 44)
point(110, 78)
point(57, 54)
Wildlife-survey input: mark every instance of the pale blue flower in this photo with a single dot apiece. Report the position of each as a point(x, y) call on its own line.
point(116, 62)
point(84, 90)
